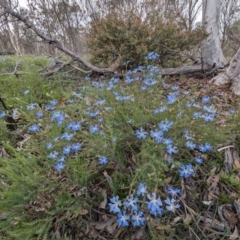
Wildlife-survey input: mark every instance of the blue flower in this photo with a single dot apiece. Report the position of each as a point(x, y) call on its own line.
point(39, 114)
point(74, 126)
point(167, 141)
point(190, 144)
point(53, 155)
point(205, 147)
point(165, 125)
point(26, 92)
point(34, 128)
point(152, 56)
point(171, 149)
point(157, 135)
point(141, 134)
point(103, 160)
point(149, 82)
point(160, 110)
point(94, 114)
point(131, 202)
point(142, 189)
point(138, 219)
point(186, 170)
point(208, 117)
point(60, 165)
point(175, 87)
point(173, 191)
point(54, 102)
point(78, 95)
point(123, 219)
point(67, 149)
point(49, 145)
point(93, 128)
point(3, 114)
point(114, 204)
point(58, 116)
point(49, 107)
point(171, 98)
point(100, 102)
point(75, 147)
point(32, 106)
point(15, 114)
point(66, 136)
point(154, 204)
point(171, 205)
point(198, 160)
point(206, 99)
point(129, 79)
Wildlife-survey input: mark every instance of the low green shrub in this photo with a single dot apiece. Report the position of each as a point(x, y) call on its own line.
point(124, 38)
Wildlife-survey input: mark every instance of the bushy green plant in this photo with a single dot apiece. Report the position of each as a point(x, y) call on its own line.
point(128, 132)
point(124, 36)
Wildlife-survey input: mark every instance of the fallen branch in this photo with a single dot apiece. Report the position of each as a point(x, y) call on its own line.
point(54, 42)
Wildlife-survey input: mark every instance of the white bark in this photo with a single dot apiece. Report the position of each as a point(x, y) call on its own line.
point(211, 49)
point(232, 73)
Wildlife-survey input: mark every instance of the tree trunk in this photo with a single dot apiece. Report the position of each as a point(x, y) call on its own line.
point(212, 54)
point(232, 73)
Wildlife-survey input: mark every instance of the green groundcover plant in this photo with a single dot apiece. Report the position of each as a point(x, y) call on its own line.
point(119, 147)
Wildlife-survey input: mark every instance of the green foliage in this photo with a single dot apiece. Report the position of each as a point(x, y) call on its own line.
point(125, 36)
point(43, 203)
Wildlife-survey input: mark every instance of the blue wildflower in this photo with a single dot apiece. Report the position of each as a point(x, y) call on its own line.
point(152, 56)
point(66, 136)
point(59, 117)
point(171, 149)
point(103, 160)
point(114, 204)
point(39, 114)
point(74, 126)
point(3, 114)
point(15, 114)
point(206, 99)
point(154, 204)
point(208, 117)
point(171, 205)
point(205, 147)
point(26, 92)
point(32, 106)
point(190, 144)
point(34, 128)
point(49, 107)
point(131, 202)
point(160, 110)
point(171, 98)
point(157, 135)
point(93, 128)
point(142, 189)
point(165, 125)
point(49, 145)
point(175, 87)
point(141, 134)
point(53, 155)
point(149, 82)
point(75, 147)
point(173, 191)
point(67, 149)
point(54, 102)
point(138, 219)
point(167, 141)
point(198, 160)
point(123, 219)
point(60, 165)
point(186, 170)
